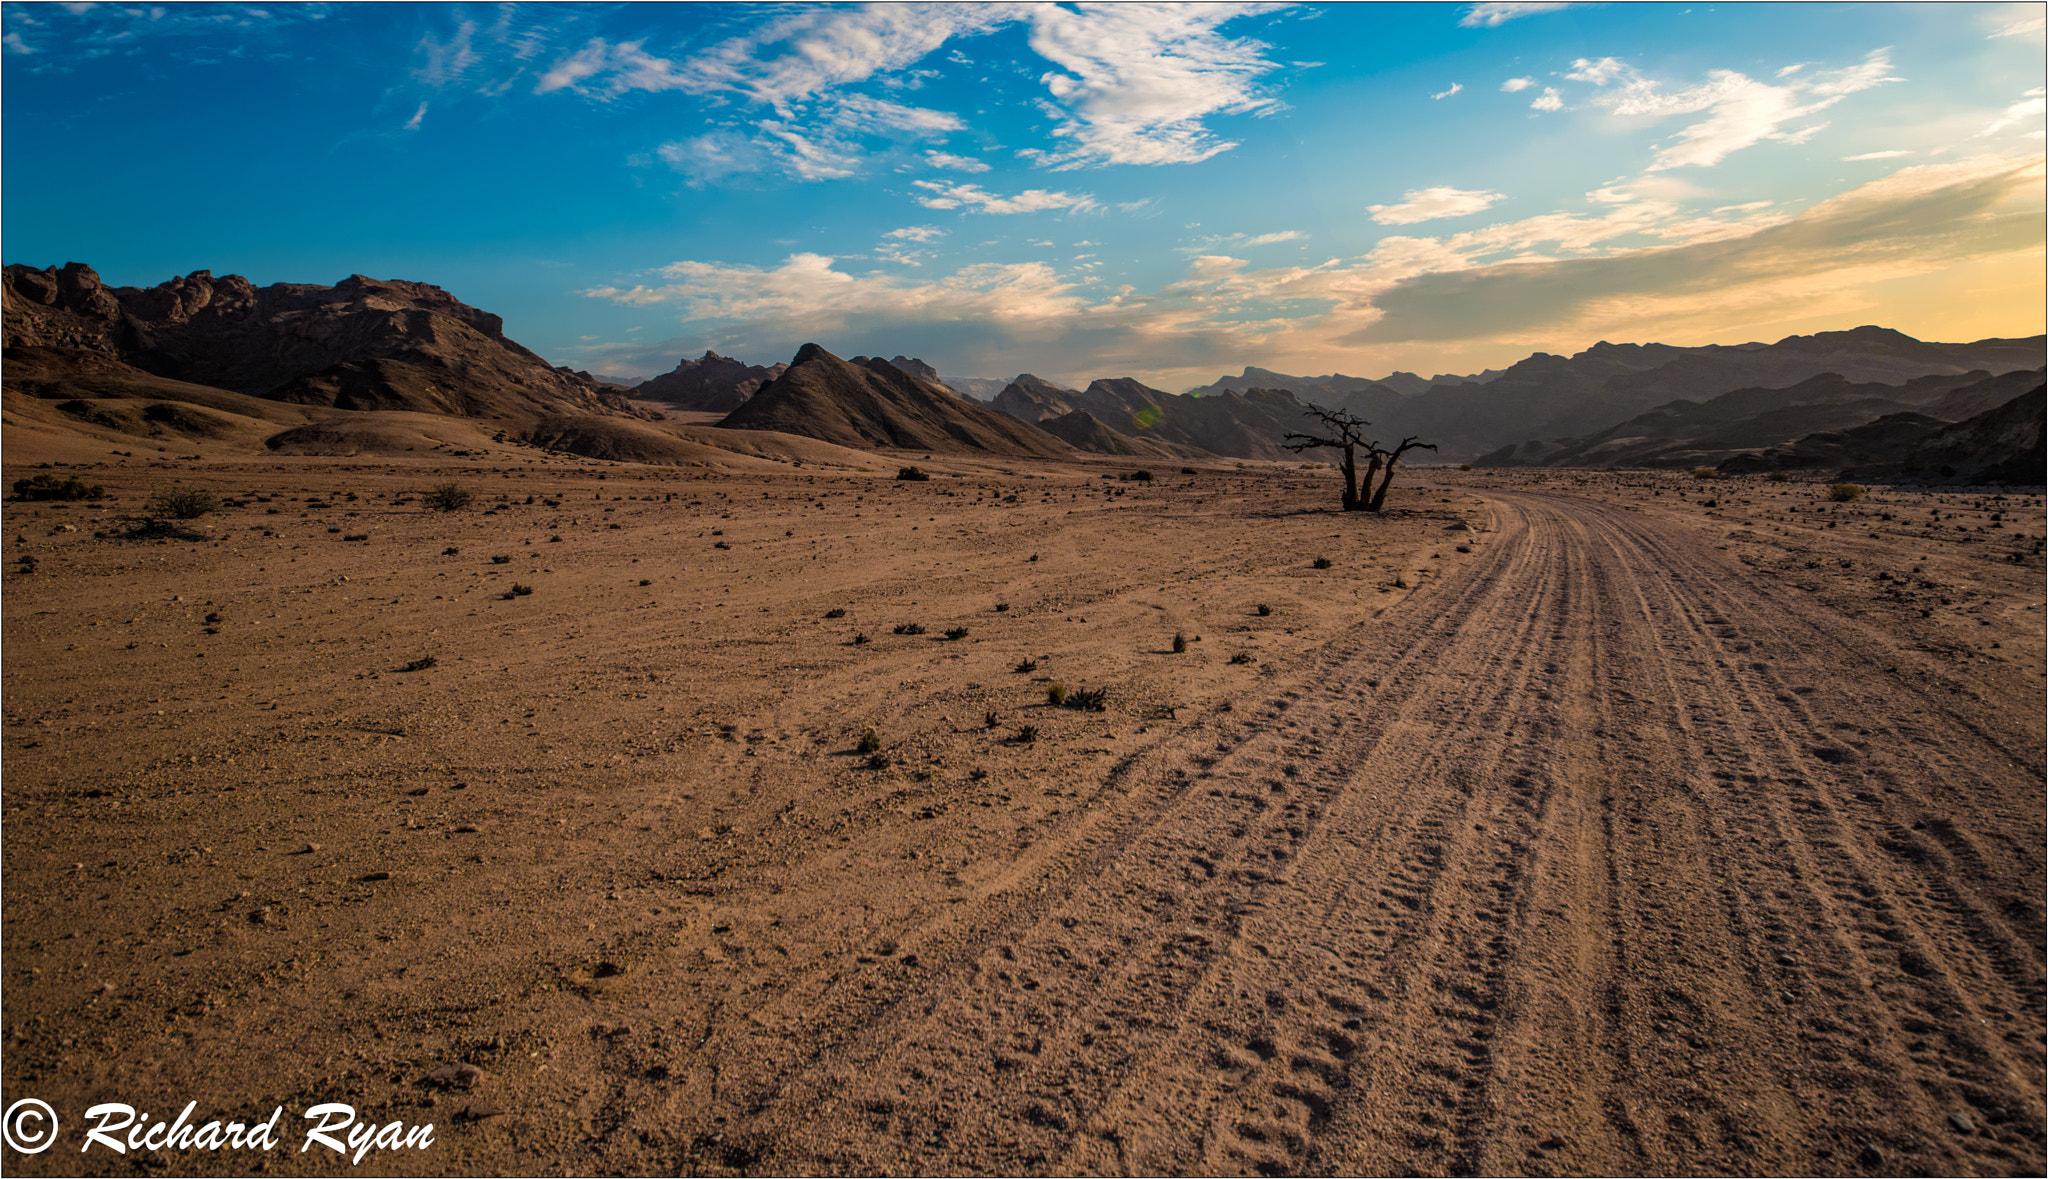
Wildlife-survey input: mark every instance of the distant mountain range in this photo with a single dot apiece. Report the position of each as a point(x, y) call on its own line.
point(370, 364)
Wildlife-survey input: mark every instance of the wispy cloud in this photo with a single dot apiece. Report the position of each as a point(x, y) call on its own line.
point(1516, 85)
point(2019, 20)
point(1877, 155)
point(916, 233)
point(1135, 82)
point(1431, 204)
point(1487, 16)
point(946, 159)
point(2030, 106)
point(1442, 94)
point(413, 124)
point(1549, 100)
point(1741, 112)
point(972, 198)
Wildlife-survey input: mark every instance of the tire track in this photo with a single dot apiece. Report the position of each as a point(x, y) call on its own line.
point(1590, 858)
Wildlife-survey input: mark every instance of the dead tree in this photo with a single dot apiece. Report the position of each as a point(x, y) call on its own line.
point(1349, 429)
point(1383, 459)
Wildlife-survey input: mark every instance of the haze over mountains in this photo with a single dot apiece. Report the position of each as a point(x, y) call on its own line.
point(365, 362)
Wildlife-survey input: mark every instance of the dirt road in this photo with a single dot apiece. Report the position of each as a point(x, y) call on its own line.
point(1609, 862)
point(1634, 832)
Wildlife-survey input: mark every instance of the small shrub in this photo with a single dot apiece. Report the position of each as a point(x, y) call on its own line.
point(1001, 607)
point(869, 742)
point(1464, 466)
point(49, 487)
point(1027, 666)
point(909, 628)
point(421, 664)
point(859, 639)
point(1322, 562)
point(1141, 476)
point(357, 536)
point(448, 497)
point(978, 774)
point(878, 761)
point(646, 581)
point(1026, 734)
point(1189, 471)
point(518, 591)
point(913, 474)
point(992, 720)
point(719, 544)
point(1265, 611)
point(1241, 657)
point(1180, 643)
point(501, 560)
point(1034, 556)
point(1056, 693)
point(835, 612)
point(1843, 493)
point(956, 633)
point(1400, 583)
point(1779, 477)
point(1089, 699)
point(450, 551)
point(182, 503)
point(1703, 472)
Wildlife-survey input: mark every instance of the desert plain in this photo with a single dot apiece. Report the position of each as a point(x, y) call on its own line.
point(1549, 822)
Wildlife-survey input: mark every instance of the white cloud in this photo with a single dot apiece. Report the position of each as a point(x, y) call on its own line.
point(1135, 81)
point(15, 44)
point(413, 124)
point(916, 233)
point(1741, 112)
point(2029, 106)
point(1493, 15)
point(1877, 155)
point(1430, 204)
point(1517, 85)
point(1549, 100)
point(945, 159)
point(974, 199)
point(445, 61)
point(709, 158)
point(1441, 94)
point(862, 114)
point(2019, 20)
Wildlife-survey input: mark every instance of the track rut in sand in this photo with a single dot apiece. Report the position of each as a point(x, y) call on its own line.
point(1592, 857)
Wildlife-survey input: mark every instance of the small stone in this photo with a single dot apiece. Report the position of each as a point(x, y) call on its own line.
point(1787, 960)
point(456, 1075)
point(307, 850)
point(260, 916)
point(1555, 1142)
point(480, 1111)
point(1870, 1156)
point(376, 876)
point(1962, 1123)
point(466, 829)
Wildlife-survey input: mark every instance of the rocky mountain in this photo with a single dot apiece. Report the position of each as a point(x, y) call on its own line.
point(709, 384)
point(1251, 424)
point(1686, 433)
point(913, 366)
point(2004, 444)
point(1084, 431)
point(362, 343)
point(1549, 397)
point(875, 403)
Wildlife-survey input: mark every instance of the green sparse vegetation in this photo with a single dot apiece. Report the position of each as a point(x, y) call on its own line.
point(448, 497)
point(1180, 643)
point(1843, 493)
point(182, 503)
point(869, 742)
point(1265, 611)
point(1056, 693)
point(1703, 472)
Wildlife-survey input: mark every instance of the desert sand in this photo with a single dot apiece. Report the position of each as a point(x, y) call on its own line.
point(1562, 824)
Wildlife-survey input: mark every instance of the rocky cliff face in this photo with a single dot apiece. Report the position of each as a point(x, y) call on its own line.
point(362, 343)
point(709, 384)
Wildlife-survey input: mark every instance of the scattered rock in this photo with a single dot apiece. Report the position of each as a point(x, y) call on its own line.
point(1555, 1142)
point(1870, 1156)
point(367, 877)
point(455, 1075)
point(1962, 1123)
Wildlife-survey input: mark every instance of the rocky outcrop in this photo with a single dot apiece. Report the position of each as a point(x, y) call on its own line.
point(1252, 424)
point(363, 342)
point(876, 404)
point(709, 384)
point(1083, 431)
point(1032, 399)
point(916, 368)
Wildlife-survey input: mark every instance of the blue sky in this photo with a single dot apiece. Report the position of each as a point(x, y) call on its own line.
point(1164, 192)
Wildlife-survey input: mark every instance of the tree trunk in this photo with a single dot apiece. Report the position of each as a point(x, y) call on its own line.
point(1379, 497)
point(1352, 500)
point(1366, 502)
